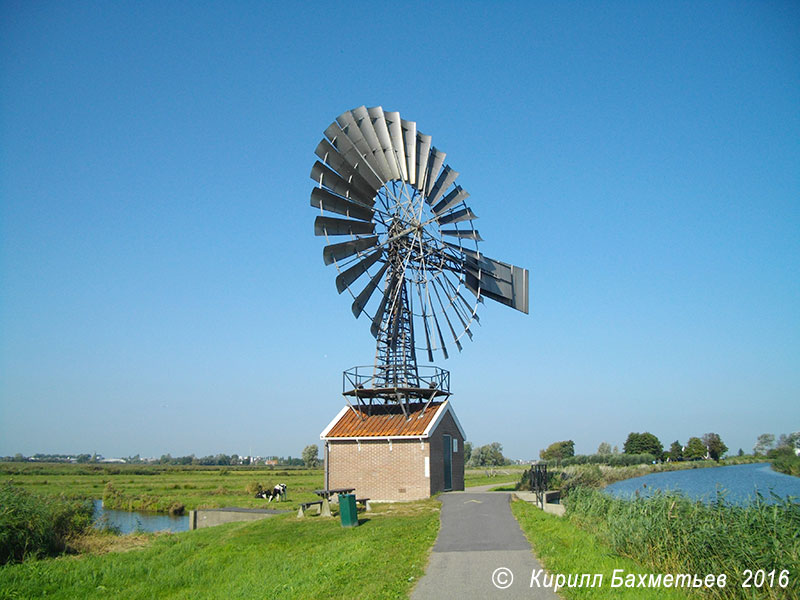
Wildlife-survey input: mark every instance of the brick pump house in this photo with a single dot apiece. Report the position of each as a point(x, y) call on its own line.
point(388, 454)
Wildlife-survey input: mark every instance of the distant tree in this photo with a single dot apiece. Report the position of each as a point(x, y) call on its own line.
point(695, 448)
point(490, 455)
point(643, 443)
point(716, 447)
point(790, 441)
point(675, 451)
point(616, 450)
point(604, 448)
point(311, 456)
point(495, 454)
point(83, 458)
point(165, 459)
point(764, 444)
point(741, 452)
point(467, 451)
point(558, 450)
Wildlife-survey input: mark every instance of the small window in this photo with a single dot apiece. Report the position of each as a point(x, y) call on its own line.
point(455, 445)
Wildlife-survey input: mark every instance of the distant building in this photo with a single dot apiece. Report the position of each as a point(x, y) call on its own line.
point(388, 456)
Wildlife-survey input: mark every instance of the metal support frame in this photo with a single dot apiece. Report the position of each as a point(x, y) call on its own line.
point(538, 480)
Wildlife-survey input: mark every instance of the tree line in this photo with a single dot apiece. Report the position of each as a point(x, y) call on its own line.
point(787, 443)
point(165, 459)
point(645, 447)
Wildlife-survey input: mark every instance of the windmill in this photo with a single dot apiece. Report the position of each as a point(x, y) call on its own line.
point(404, 244)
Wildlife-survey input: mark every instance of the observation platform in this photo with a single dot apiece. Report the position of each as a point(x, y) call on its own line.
point(426, 383)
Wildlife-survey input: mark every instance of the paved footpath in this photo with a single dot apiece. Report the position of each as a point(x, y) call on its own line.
point(478, 535)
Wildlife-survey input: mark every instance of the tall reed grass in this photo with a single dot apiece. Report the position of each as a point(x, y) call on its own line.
point(670, 533)
point(36, 526)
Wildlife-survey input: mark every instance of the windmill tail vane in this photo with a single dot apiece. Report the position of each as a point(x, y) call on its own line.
point(402, 229)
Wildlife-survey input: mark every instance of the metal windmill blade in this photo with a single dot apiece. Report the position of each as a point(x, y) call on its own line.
point(405, 245)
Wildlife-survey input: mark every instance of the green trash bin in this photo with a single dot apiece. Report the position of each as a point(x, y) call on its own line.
point(347, 510)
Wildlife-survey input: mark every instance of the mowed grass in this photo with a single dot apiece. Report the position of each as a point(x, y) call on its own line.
point(279, 557)
point(157, 487)
point(160, 487)
point(564, 548)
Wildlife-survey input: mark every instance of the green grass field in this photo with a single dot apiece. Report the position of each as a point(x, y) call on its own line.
point(493, 475)
point(157, 488)
point(280, 557)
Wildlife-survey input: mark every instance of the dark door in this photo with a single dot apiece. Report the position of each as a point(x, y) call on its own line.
point(447, 452)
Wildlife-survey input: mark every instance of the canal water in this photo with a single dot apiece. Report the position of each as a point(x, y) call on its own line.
point(738, 484)
point(129, 522)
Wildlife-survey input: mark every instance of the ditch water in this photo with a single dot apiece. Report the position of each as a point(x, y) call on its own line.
point(128, 522)
point(738, 484)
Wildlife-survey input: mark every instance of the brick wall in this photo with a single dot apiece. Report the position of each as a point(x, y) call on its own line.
point(446, 426)
point(383, 474)
point(379, 473)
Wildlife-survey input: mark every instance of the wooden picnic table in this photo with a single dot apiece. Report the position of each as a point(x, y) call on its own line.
point(328, 493)
point(325, 511)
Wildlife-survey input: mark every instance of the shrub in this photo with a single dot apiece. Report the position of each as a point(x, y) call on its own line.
point(35, 526)
point(253, 488)
point(787, 462)
point(582, 476)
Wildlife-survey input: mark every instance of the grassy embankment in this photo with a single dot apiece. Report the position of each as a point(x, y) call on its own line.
point(279, 557)
point(787, 463)
point(670, 533)
point(564, 548)
point(666, 534)
point(163, 488)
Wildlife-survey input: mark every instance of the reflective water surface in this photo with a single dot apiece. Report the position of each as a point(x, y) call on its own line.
point(128, 522)
point(738, 483)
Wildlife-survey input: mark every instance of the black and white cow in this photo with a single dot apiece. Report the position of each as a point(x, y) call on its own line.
point(279, 491)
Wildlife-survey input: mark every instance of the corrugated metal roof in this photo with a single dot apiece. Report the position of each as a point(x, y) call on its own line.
point(384, 421)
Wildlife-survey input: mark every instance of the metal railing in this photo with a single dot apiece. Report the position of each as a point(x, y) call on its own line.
point(364, 378)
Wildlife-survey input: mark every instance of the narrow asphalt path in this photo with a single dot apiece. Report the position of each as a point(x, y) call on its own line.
point(478, 536)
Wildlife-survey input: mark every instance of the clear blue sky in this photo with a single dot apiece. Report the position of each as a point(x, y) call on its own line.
point(161, 289)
